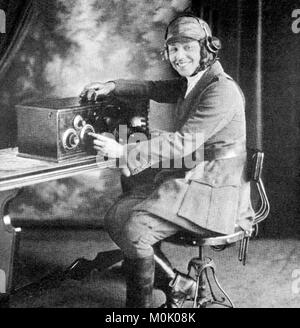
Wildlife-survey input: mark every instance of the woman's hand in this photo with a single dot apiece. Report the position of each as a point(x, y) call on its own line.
point(110, 148)
point(107, 146)
point(96, 90)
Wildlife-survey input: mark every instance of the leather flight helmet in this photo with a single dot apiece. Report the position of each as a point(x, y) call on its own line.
point(189, 26)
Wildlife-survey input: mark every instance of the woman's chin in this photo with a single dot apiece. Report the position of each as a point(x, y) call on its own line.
point(184, 72)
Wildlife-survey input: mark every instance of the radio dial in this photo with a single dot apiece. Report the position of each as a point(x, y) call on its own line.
point(70, 139)
point(78, 122)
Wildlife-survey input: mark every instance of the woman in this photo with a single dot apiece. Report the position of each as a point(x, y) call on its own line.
point(206, 195)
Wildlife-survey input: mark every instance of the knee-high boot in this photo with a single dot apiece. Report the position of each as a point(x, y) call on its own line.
point(176, 285)
point(164, 272)
point(139, 275)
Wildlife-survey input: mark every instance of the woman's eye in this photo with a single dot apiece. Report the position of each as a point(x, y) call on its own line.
point(172, 50)
point(188, 48)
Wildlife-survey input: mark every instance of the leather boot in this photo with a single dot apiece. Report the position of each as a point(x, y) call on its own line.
point(139, 275)
point(164, 272)
point(177, 286)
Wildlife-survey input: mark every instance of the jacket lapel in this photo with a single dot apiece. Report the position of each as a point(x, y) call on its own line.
point(184, 106)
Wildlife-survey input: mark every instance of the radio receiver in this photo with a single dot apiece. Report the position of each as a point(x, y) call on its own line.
point(58, 129)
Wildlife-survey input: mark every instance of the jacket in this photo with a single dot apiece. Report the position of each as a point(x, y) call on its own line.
point(213, 192)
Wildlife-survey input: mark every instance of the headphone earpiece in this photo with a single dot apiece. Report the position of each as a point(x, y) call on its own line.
point(213, 44)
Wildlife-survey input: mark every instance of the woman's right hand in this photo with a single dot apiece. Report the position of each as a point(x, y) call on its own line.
point(96, 90)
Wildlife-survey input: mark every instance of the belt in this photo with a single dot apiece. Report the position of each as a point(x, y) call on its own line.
point(225, 152)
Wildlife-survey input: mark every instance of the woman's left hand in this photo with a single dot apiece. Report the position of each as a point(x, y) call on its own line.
point(107, 146)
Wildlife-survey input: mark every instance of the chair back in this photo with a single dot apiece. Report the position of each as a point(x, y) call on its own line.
point(254, 170)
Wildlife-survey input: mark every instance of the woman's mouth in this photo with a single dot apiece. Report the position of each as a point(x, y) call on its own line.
point(182, 65)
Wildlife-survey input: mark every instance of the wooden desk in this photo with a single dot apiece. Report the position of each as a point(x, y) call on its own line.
point(15, 173)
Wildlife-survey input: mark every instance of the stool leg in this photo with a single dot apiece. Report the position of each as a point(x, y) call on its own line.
point(201, 266)
point(200, 295)
point(198, 265)
point(224, 293)
point(202, 284)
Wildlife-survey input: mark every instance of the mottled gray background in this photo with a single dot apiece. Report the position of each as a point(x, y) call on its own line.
point(73, 43)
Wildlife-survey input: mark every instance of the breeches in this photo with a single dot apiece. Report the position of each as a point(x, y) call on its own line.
point(136, 231)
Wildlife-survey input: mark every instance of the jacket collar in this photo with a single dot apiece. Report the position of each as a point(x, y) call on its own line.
point(215, 70)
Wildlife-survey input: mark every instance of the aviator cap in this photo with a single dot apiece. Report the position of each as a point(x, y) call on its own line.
point(187, 27)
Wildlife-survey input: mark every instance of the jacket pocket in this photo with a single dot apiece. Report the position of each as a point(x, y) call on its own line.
point(212, 208)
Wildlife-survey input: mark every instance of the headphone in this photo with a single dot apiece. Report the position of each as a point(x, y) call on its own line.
point(213, 44)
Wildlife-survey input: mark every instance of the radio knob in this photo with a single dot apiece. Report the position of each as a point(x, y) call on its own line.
point(78, 122)
point(84, 133)
point(70, 139)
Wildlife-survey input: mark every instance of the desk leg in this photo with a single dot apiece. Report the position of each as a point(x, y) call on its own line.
point(8, 245)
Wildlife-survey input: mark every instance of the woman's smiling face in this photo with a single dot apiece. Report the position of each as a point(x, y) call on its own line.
point(184, 56)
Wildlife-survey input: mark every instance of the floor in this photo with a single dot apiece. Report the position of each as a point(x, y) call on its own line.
point(271, 278)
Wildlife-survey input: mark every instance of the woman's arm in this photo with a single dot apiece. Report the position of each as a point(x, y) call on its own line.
point(166, 91)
